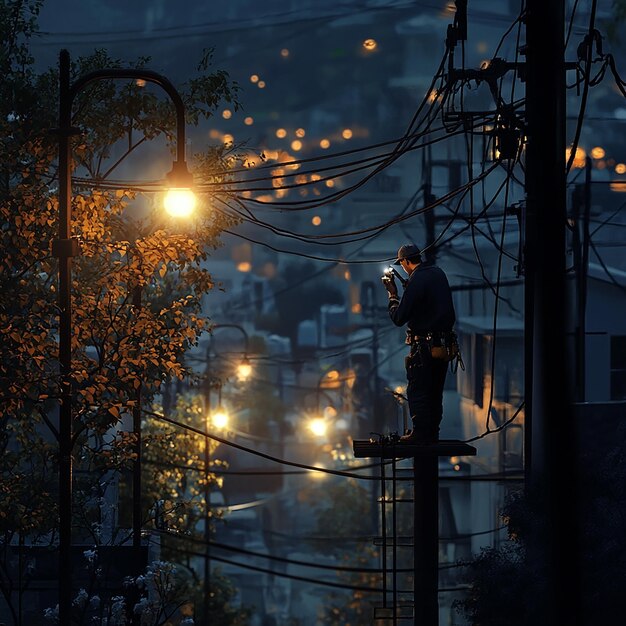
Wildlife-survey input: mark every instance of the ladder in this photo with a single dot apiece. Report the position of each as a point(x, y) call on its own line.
point(418, 605)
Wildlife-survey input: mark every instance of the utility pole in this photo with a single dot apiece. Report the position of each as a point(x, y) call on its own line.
point(550, 437)
point(429, 198)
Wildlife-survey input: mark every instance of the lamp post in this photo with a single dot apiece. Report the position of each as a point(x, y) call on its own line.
point(244, 369)
point(219, 420)
point(65, 248)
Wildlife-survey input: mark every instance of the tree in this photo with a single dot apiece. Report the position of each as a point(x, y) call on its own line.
point(346, 510)
point(118, 346)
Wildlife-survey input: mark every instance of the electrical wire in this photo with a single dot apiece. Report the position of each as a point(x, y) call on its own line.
point(255, 452)
point(586, 73)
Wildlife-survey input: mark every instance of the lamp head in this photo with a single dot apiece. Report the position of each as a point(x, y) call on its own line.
point(180, 200)
point(244, 369)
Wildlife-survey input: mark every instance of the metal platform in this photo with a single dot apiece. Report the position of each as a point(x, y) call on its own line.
point(366, 448)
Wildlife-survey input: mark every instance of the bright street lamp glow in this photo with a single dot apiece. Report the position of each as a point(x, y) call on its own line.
point(180, 202)
point(243, 371)
point(220, 419)
point(318, 426)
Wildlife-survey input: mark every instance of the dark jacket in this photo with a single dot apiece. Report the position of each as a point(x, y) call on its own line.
point(426, 305)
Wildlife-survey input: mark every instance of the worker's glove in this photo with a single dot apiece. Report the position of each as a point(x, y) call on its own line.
point(389, 282)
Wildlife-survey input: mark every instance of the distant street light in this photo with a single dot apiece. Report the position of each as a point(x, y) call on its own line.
point(318, 426)
point(244, 368)
point(219, 420)
point(66, 247)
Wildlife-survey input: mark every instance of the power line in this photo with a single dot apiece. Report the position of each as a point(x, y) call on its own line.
point(316, 581)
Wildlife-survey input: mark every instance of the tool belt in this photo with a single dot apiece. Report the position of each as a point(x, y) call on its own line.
point(443, 346)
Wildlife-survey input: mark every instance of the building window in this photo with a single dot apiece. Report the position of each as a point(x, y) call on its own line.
point(618, 367)
point(470, 382)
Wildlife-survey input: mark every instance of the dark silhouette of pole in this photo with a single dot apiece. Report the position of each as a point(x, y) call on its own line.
point(206, 600)
point(425, 539)
point(64, 248)
point(429, 198)
point(207, 509)
point(550, 444)
point(582, 283)
point(137, 512)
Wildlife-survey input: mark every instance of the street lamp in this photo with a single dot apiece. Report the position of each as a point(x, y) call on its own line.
point(243, 370)
point(218, 419)
point(65, 248)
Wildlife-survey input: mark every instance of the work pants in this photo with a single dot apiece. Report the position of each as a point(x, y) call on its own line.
point(426, 378)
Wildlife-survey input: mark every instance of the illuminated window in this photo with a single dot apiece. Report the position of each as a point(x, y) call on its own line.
point(316, 221)
point(356, 308)
point(347, 133)
point(347, 275)
point(324, 144)
point(248, 121)
point(281, 133)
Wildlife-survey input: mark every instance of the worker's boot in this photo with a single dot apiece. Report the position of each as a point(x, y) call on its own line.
point(421, 436)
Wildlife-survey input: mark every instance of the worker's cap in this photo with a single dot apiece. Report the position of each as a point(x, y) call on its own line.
point(407, 251)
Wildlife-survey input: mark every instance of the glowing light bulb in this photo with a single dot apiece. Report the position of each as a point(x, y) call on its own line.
point(318, 427)
point(180, 202)
point(220, 419)
point(244, 370)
